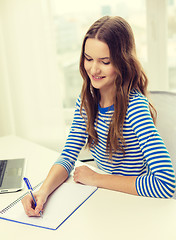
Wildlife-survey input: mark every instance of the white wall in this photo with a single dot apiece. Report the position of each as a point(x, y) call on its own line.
point(30, 103)
point(157, 44)
point(6, 116)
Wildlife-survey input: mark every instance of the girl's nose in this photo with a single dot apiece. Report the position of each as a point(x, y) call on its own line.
point(95, 68)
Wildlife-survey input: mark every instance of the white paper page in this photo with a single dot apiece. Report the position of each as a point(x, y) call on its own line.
point(63, 202)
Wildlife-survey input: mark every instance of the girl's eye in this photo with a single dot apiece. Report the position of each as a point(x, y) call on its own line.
point(106, 63)
point(88, 59)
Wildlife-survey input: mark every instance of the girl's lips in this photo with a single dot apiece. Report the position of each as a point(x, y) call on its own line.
point(96, 78)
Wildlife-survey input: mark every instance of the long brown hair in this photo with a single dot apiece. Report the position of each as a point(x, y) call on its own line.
point(118, 35)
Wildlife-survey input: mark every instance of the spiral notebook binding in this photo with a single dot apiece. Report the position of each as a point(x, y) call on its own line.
point(17, 200)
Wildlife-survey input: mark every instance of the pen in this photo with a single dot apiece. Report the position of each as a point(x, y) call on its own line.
point(26, 180)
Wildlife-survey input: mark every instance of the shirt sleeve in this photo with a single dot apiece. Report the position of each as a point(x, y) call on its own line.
point(75, 141)
point(159, 181)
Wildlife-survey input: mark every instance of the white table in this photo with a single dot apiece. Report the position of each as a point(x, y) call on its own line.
point(106, 215)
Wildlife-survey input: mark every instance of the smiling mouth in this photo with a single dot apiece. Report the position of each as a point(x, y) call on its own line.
point(97, 78)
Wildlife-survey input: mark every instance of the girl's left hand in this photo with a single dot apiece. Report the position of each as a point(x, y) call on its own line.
point(85, 175)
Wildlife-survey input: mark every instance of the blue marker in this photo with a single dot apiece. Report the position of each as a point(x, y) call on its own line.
point(30, 190)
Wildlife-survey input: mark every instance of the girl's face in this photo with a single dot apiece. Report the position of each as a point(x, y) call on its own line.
point(98, 66)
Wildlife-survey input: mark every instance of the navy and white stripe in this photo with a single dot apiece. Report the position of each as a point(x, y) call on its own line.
point(145, 153)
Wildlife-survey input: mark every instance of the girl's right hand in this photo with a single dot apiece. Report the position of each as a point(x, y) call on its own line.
point(29, 207)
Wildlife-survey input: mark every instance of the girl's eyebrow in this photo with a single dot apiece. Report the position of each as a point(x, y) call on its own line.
point(103, 58)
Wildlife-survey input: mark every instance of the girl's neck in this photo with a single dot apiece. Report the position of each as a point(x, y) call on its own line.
point(106, 99)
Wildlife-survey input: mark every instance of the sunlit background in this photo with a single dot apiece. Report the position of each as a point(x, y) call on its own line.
point(40, 42)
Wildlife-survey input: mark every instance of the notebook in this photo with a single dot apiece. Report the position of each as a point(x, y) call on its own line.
point(61, 204)
point(11, 174)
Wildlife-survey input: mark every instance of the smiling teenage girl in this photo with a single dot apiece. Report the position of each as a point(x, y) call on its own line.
point(115, 120)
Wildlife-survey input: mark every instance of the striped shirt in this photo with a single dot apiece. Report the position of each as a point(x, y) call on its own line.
point(145, 153)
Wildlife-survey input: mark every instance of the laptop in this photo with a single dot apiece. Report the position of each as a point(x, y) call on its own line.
point(11, 174)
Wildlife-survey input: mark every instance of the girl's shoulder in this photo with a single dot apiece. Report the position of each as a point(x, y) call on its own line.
point(136, 97)
point(138, 106)
point(78, 103)
point(137, 103)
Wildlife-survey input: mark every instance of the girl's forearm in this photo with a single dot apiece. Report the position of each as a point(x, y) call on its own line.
point(56, 176)
point(118, 183)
